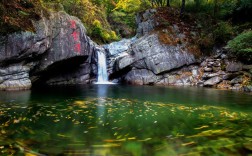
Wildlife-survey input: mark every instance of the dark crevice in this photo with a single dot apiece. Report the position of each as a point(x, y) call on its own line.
point(120, 74)
point(59, 68)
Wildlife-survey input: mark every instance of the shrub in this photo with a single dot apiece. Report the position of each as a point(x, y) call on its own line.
point(101, 34)
point(206, 42)
point(97, 29)
point(241, 45)
point(223, 32)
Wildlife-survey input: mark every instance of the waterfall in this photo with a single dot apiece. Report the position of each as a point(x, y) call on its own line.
point(102, 69)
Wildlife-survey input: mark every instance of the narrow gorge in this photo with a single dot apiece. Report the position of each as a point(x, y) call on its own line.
point(60, 53)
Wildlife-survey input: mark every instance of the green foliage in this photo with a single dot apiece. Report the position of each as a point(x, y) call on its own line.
point(206, 42)
point(223, 32)
point(17, 15)
point(128, 5)
point(102, 34)
point(241, 45)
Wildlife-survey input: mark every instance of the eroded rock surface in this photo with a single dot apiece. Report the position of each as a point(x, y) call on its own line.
point(58, 41)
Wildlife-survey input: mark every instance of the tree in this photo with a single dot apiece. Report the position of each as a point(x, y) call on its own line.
point(168, 3)
point(182, 10)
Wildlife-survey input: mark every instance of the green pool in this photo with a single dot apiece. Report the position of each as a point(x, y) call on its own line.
point(115, 120)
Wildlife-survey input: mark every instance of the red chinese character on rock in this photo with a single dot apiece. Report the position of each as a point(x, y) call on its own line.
point(77, 48)
point(75, 36)
point(73, 24)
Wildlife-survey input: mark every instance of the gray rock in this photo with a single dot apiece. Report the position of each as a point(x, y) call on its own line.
point(149, 54)
point(209, 75)
point(124, 62)
point(224, 56)
point(229, 76)
point(247, 67)
point(213, 81)
point(237, 87)
point(115, 48)
point(195, 72)
point(160, 58)
point(15, 78)
point(233, 67)
point(216, 69)
point(236, 80)
point(58, 40)
point(172, 79)
point(141, 77)
point(146, 22)
point(247, 88)
point(208, 69)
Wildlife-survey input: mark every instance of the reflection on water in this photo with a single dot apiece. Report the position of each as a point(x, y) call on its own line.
point(101, 94)
point(101, 120)
point(15, 96)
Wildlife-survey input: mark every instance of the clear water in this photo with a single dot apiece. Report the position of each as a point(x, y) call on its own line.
point(108, 120)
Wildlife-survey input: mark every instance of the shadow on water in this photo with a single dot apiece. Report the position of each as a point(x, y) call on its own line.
point(178, 95)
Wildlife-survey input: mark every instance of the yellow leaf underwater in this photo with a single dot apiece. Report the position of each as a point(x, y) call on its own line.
point(189, 143)
point(79, 102)
point(202, 127)
point(106, 146)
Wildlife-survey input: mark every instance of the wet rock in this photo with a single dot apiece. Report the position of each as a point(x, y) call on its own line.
point(15, 78)
point(141, 77)
point(224, 85)
point(247, 88)
point(213, 81)
point(172, 79)
point(237, 87)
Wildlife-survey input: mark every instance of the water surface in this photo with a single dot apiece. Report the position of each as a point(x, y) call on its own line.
point(101, 120)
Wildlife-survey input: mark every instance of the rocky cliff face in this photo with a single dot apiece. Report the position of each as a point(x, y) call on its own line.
point(59, 52)
point(147, 60)
point(152, 59)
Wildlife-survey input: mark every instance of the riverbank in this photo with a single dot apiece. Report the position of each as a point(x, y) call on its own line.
point(59, 52)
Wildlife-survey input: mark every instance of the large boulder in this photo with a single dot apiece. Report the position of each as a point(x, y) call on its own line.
point(158, 57)
point(152, 58)
point(213, 81)
point(233, 66)
point(59, 39)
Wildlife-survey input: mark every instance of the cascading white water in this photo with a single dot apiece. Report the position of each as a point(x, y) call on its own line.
point(116, 50)
point(102, 69)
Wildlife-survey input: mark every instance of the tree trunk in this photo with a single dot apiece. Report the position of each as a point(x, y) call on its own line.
point(182, 10)
point(168, 3)
point(215, 7)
